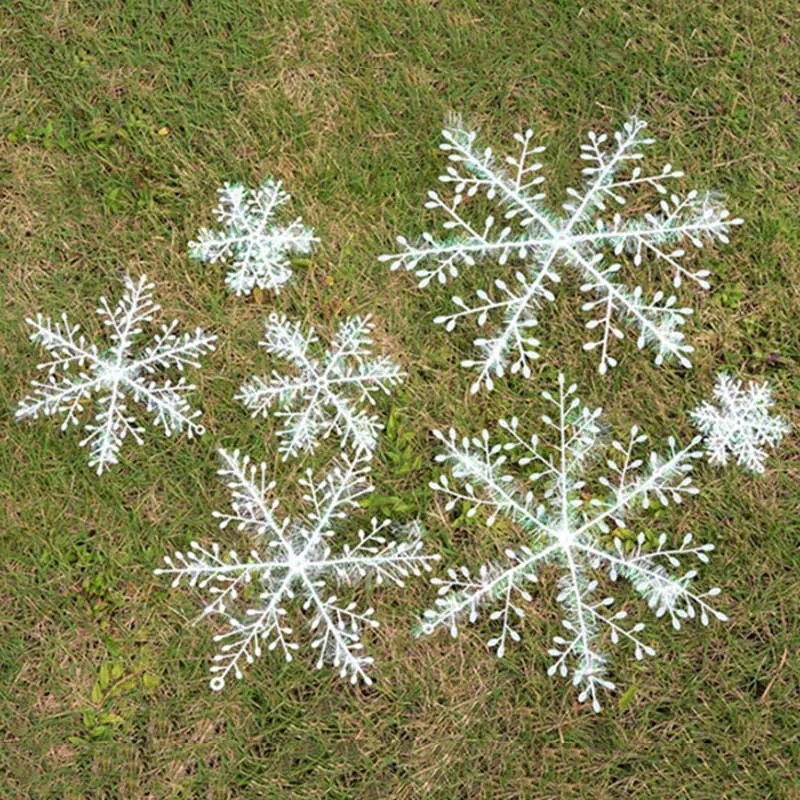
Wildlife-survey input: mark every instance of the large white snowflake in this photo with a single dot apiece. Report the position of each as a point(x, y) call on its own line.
point(78, 370)
point(292, 560)
point(257, 247)
point(543, 243)
point(574, 528)
point(740, 423)
point(322, 397)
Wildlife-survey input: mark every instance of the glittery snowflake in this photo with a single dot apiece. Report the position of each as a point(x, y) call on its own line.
point(544, 244)
point(323, 395)
point(740, 423)
point(292, 561)
point(78, 371)
point(577, 529)
point(257, 247)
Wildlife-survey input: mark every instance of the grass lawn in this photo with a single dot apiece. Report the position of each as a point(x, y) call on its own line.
point(118, 120)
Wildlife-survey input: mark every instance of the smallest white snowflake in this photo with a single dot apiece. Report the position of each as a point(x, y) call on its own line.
point(740, 424)
point(257, 247)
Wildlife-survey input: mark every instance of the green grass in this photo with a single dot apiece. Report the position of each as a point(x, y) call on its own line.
point(117, 123)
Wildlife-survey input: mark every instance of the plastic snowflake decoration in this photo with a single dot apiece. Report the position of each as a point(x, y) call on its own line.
point(574, 533)
point(292, 560)
point(323, 396)
point(79, 370)
point(255, 244)
point(544, 244)
point(741, 423)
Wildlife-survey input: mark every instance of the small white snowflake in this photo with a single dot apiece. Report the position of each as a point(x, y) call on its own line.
point(115, 374)
point(255, 244)
point(323, 395)
point(292, 560)
point(544, 244)
point(571, 527)
point(740, 423)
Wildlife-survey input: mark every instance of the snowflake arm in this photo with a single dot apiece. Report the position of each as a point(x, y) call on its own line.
point(339, 634)
point(256, 246)
point(740, 424)
point(323, 395)
point(58, 397)
point(515, 343)
point(293, 560)
point(647, 572)
point(223, 575)
point(244, 637)
point(478, 461)
point(59, 339)
point(171, 350)
point(340, 490)
point(378, 558)
point(659, 320)
point(170, 408)
point(67, 394)
point(693, 218)
point(112, 424)
point(564, 530)
point(252, 509)
point(604, 164)
point(116, 375)
point(545, 243)
point(666, 479)
point(462, 595)
point(134, 308)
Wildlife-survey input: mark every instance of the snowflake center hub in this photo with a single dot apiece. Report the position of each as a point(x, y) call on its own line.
point(295, 563)
point(565, 537)
point(112, 372)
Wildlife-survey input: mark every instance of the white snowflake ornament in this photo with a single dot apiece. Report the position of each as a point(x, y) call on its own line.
point(740, 423)
point(544, 244)
point(293, 561)
point(255, 244)
point(324, 395)
point(78, 371)
point(575, 529)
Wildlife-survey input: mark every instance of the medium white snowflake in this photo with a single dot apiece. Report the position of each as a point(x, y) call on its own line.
point(740, 423)
point(323, 395)
point(255, 244)
point(544, 242)
point(115, 374)
point(292, 560)
point(571, 527)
